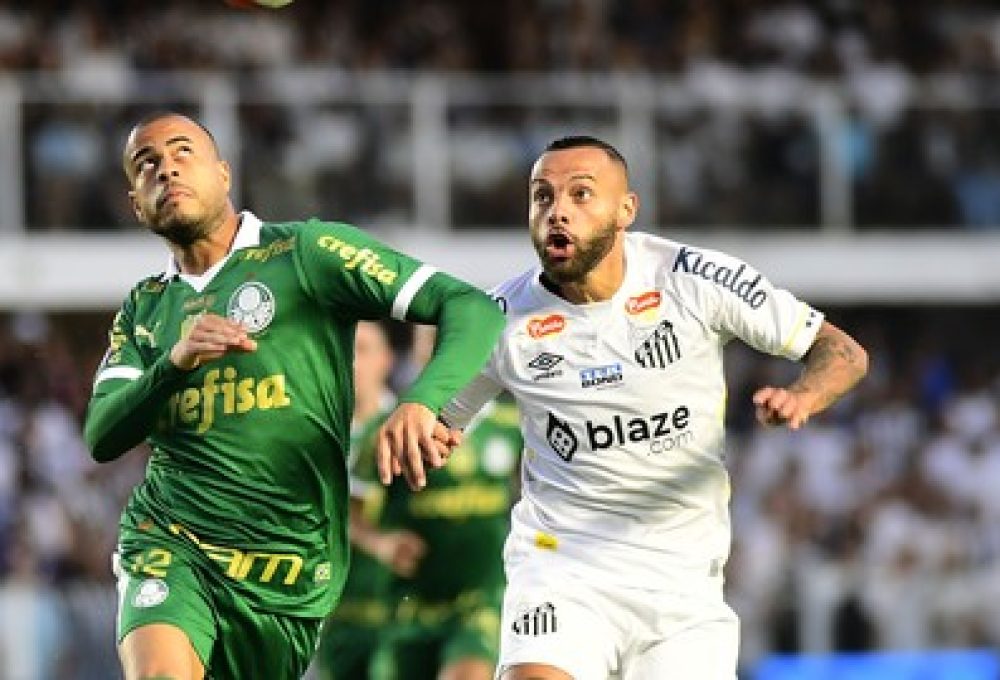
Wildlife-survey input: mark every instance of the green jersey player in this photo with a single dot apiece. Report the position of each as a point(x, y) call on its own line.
point(235, 365)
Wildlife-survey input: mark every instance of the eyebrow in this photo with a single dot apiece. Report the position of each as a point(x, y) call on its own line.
point(581, 175)
point(145, 149)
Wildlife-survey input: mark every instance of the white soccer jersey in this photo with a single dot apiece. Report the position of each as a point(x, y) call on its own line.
point(622, 405)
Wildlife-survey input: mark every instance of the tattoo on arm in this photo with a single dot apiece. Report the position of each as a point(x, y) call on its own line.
point(833, 365)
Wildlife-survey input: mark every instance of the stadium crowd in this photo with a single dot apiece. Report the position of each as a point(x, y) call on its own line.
point(917, 80)
point(873, 528)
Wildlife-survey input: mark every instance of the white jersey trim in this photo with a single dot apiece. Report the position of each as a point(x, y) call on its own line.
point(401, 304)
point(798, 344)
point(121, 582)
point(126, 372)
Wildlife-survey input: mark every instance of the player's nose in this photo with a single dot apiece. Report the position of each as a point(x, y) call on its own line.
point(167, 170)
point(557, 215)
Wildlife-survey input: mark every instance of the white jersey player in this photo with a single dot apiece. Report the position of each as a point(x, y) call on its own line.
point(613, 350)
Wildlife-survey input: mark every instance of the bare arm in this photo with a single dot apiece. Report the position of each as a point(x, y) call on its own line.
point(833, 365)
point(399, 550)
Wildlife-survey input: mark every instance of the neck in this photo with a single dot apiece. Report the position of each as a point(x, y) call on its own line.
point(198, 257)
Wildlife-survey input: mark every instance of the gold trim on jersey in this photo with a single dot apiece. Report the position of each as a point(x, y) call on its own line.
point(239, 563)
point(800, 321)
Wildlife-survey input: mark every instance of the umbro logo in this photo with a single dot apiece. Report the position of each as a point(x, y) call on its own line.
point(544, 361)
point(536, 620)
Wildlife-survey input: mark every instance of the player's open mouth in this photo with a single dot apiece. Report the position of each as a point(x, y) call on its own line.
point(558, 246)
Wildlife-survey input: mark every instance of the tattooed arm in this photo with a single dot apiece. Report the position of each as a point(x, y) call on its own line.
point(833, 365)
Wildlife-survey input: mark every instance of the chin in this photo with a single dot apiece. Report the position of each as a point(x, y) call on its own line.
point(562, 274)
point(179, 230)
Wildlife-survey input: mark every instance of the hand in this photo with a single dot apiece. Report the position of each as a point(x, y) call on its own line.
point(778, 405)
point(210, 337)
point(407, 439)
point(452, 439)
point(401, 551)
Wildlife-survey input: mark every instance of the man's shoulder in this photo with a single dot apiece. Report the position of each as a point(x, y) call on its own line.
point(151, 286)
point(272, 231)
point(279, 231)
point(516, 294)
point(143, 299)
point(686, 261)
point(658, 250)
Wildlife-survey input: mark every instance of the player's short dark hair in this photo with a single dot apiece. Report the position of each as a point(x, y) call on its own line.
point(586, 141)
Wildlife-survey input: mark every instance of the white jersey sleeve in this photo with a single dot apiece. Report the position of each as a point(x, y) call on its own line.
point(742, 303)
point(462, 409)
point(622, 404)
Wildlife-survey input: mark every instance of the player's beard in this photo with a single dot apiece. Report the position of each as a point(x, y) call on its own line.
point(184, 228)
point(587, 254)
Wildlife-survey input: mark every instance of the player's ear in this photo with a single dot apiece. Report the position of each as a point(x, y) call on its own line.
point(226, 173)
point(135, 204)
point(628, 209)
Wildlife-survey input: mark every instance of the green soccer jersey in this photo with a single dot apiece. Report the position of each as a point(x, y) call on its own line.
point(248, 462)
point(463, 512)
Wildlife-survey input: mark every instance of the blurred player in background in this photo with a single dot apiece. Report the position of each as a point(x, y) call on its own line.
point(613, 350)
point(352, 632)
point(446, 613)
point(235, 364)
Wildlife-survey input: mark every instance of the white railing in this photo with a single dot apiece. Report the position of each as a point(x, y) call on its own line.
point(628, 107)
point(828, 261)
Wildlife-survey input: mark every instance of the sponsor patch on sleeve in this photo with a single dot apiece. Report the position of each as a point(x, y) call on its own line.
point(364, 259)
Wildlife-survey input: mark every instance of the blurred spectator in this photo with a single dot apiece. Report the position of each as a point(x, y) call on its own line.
point(33, 637)
point(737, 138)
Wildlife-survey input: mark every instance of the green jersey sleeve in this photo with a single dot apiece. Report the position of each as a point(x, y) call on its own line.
point(355, 275)
point(352, 273)
point(127, 393)
point(469, 323)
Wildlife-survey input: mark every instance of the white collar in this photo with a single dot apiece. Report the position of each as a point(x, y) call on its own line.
point(247, 236)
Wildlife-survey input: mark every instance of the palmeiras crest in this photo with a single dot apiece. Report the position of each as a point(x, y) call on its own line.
point(252, 304)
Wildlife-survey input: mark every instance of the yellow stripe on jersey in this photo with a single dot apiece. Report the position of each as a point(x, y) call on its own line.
point(720, 414)
point(800, 321)
point(546, 541)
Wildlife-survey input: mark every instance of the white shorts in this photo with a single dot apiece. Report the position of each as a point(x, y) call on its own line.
point(594, 631)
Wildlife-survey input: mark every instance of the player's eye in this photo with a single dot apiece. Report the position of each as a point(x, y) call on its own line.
point(144, 164)
point(541, 196)
point(583, 193)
